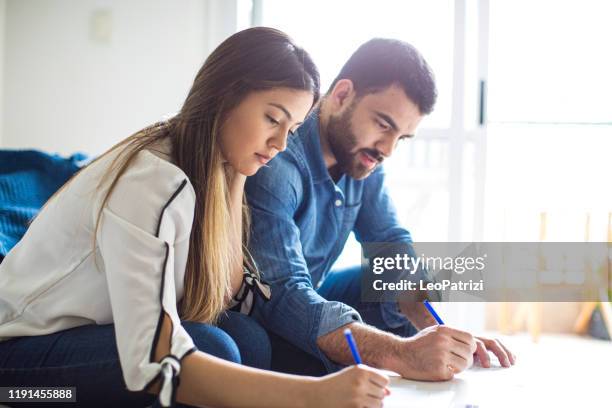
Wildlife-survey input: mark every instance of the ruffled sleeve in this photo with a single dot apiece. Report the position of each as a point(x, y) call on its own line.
point(149, 213)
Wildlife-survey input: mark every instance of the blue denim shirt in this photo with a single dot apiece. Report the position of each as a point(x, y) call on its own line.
point(301, 220)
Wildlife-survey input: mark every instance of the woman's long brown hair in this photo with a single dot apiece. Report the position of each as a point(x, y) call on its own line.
point(255, 59)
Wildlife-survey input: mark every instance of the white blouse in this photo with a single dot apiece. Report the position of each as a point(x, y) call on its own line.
point(54, 279)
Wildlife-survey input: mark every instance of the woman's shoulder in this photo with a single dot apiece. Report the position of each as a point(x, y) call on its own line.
point(157, 170)
point(149, 187)
point(149, 177)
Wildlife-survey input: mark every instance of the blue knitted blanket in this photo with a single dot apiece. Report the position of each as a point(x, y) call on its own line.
point(27, 179)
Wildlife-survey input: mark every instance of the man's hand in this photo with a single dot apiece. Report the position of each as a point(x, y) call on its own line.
point(421, 318)
point(436, 353)
point(506, 357)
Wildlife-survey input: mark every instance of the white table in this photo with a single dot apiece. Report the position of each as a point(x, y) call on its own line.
point(559, 371)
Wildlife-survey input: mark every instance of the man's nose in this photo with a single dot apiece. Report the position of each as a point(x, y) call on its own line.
point(385, 146)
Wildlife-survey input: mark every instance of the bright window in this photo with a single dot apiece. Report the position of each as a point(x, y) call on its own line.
point(332, 30)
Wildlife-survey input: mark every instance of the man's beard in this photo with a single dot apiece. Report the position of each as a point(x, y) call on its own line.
point(342, 142)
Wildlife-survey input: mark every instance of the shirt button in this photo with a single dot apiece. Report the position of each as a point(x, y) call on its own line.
point(338, 203)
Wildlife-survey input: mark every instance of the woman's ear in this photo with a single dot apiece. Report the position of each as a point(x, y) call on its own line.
point(342, 94)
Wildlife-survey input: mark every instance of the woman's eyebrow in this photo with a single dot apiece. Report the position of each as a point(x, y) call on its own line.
point(281, 107)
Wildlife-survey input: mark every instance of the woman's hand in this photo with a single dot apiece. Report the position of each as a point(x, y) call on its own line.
point(356, 386)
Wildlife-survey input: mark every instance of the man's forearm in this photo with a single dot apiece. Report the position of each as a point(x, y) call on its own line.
point(376, 347)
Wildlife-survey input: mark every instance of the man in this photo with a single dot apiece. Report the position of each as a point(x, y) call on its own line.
point(329, 182)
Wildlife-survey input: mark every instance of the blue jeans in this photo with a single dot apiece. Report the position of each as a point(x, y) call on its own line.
point(86, 358)
point(342, 285)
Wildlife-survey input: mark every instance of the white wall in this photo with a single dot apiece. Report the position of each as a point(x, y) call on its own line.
point(69, 87)
point(222, 21)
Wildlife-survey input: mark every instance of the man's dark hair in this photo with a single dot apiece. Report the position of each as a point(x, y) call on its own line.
point(381, 62)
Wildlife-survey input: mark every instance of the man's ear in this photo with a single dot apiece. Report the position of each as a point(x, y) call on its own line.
point(342, 94)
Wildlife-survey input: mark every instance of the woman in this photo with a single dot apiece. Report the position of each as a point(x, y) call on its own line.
point(127, 269)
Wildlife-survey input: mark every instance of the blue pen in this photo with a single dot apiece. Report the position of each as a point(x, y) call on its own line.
point(352, 345)
point(433, 312)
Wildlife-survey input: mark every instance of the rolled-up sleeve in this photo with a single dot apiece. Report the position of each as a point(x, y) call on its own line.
point(296, 311)
point(146, 216)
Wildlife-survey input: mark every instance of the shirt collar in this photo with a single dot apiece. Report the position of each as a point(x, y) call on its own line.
point(313, 154)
